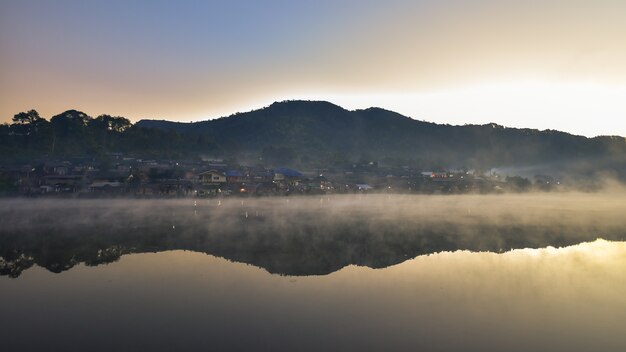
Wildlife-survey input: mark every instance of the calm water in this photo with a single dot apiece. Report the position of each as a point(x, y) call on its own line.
point(404, 273)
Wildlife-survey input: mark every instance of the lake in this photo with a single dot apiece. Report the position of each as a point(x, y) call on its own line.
point(363, 272)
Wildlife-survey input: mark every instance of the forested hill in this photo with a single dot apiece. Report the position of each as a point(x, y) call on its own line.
point(307, 133)
point(321, 129)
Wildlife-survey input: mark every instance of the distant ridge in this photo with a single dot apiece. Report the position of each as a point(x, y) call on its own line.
point(313, 135)
point(320, 129)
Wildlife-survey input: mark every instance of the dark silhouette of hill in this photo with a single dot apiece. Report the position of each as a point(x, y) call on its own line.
point(312, 134)
point(320, 129)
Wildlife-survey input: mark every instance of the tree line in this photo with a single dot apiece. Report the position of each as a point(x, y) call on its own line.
point(74, 133)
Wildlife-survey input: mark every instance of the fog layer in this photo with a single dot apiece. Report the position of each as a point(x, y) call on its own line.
point(301, 235)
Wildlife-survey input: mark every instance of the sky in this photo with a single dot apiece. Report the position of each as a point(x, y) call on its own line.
point(550, 64)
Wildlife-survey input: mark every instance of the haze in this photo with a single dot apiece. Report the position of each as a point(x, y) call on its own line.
point(301, 235)
point(539, 64)
point(514, 272)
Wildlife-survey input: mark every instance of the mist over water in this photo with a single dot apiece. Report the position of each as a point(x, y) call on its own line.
point(301, 235)
point(517, 272)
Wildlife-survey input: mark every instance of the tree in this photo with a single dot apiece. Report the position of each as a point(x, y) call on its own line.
point(29, 117)
point(27, 123)
point(69, 135)
point(107, 129)
point(28, 133)
point(278, 155)
point(111, 123)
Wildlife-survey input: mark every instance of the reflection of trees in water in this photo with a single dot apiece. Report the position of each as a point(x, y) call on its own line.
point(300, 241)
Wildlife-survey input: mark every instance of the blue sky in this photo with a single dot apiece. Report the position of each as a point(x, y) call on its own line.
point(541, 64)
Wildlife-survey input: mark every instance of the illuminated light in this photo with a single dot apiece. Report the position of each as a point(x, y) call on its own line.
point(514, 102)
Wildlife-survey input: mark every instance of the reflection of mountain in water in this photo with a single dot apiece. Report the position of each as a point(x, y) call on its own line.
point(304, 240)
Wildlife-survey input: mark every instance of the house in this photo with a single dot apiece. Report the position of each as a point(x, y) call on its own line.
point(216, 164)
point(234, 176)
point(283, 173)
point(434, 174)
point(105, 186)
point(175, 187)
point(64, 183)
point(212, 178)
point(261, 175)
point(320, 183)
point(364, 187)
point(58, 168)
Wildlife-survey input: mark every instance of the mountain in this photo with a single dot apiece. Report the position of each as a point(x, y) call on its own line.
point(321, 131)
point(314, 134)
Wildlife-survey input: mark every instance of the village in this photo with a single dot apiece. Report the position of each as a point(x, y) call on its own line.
point(133, 177)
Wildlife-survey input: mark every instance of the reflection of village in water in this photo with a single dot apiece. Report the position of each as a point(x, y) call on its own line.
point(453, 301)
point(299, 235)
point(126, 176)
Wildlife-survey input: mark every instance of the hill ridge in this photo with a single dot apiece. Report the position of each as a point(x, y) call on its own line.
point(324, 131)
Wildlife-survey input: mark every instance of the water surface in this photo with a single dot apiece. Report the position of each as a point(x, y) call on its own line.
point(369, 273)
